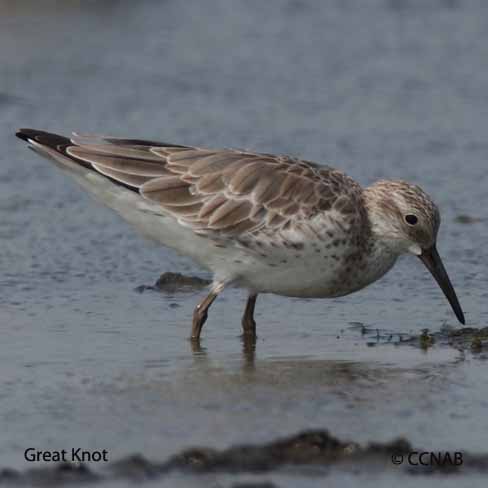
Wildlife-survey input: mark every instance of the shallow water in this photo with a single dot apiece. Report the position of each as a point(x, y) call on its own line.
point(380, 89)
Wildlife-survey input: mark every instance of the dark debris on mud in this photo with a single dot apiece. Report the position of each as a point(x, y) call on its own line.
point(175, 282)
point(317, 449)
point(472, 339)
point(468, 219)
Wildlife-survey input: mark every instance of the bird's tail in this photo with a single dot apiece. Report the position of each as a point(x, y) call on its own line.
point(53, 147)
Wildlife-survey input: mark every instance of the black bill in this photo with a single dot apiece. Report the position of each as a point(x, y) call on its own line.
point(431, 259)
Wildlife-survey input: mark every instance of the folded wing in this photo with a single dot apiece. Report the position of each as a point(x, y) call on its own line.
point(221, 191)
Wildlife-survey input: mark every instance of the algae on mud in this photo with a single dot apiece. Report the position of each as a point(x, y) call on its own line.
point(462, 339)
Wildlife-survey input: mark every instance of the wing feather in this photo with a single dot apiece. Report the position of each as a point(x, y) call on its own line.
point(229, 214)
point(129, 179)
point(125, 164)
point(211, 183)
point(246, 178)
point(213, 163)
point(223, 192)
point(211, 206)
point(171, 191)
point(125, 152)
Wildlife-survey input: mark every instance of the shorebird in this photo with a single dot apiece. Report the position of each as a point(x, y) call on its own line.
point(266, 223)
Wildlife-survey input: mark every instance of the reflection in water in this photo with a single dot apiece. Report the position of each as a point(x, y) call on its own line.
point(248, 352)
point(361, 355)
point(285, 372)
point(305, 387)
point(196, 347)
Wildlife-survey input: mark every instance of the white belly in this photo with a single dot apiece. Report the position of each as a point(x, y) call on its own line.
point(315, 271)
point(303, 276)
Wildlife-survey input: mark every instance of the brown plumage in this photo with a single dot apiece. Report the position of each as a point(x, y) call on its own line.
point(224, 191)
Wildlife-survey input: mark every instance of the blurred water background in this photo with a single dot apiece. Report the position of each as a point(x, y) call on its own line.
point(378, 88)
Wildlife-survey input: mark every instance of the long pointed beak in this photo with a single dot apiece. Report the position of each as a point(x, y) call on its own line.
point(431, 259)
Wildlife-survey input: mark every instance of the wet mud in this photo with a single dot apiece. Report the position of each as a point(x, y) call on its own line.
point(317, 449)
point(175, 282)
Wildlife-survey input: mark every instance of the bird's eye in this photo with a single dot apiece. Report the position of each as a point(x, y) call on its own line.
point(411, 219)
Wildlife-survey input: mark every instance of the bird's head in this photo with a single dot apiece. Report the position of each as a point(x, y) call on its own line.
point(406, 219)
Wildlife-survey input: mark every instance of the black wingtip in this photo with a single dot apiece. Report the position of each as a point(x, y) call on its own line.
point(26, 134)
point(45, 138)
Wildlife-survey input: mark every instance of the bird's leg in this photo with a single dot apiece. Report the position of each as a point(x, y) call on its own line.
point(248, 323)
point(200, 313)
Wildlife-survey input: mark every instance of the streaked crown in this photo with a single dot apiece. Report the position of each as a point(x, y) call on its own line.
point(403, 213)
